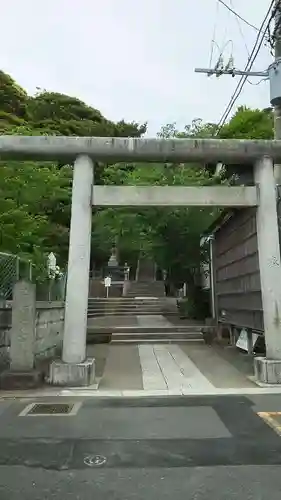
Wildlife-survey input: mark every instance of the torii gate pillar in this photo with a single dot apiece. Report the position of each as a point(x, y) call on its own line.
point(268, 370)
point(75, 369)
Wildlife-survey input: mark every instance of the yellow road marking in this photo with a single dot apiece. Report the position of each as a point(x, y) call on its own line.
point(268, 417)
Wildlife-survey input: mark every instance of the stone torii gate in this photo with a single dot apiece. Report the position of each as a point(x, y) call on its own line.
point(74, 369)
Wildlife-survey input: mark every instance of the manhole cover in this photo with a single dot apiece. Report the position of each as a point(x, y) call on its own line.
point(50, 409)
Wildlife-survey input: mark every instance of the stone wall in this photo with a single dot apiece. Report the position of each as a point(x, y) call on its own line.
point(49, 329)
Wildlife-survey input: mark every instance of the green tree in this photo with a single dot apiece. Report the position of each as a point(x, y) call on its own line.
point(170, 235)
point(13, 98)
point(36, 197)
point(249, 123)
point(34, 207)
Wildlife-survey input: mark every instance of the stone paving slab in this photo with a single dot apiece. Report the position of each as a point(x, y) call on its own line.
point(181, 372)
point(152, 375)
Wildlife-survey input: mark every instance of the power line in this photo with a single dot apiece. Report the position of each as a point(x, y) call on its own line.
point(238, 15)
point(248, 67)
point(241, 31)
point(213, 42)
point(251, 59)
point(259, 82)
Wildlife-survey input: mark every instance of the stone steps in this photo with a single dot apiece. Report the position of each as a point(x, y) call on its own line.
point(137, 329)
point(130, 312)
point(124, 306)
point(115, 312)
point(156, 337)
point(135, 334)
point(137, 299)
point(145, 329)
point(162, 340)
point(145, 289)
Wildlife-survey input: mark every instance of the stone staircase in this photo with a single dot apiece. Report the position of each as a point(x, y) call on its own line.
point(144, 298)
point(163, 335)
point(137, 334)
point(130, 306)
point(145, 269)
point(145, 289)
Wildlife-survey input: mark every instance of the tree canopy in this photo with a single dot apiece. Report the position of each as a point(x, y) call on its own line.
point(36, 197)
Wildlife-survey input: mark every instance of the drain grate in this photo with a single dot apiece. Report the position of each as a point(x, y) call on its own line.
point(50, 409)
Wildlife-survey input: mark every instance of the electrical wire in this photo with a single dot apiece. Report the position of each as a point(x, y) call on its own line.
point(238, 15)
point(259, 82)
point(251, 59)
point(213, 42)
point(241, 31)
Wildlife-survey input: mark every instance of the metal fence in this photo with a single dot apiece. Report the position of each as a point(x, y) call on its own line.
point(12, 269)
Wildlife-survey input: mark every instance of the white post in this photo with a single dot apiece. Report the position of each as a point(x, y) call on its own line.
point(77, 289)
point(269, 256)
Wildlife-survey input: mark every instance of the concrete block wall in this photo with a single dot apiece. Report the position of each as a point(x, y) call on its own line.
point(49, 329)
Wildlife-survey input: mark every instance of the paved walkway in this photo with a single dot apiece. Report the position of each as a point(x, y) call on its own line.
point(173, 369)
point(183, 368)
point(159, 369)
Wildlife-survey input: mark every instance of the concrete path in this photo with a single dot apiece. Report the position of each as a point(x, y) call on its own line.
point(122, 369)
point(187, 368)
point(224, 367)
point(174, 369)
point(155, 369)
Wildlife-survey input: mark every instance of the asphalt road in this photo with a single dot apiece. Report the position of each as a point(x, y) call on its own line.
point(177, 447)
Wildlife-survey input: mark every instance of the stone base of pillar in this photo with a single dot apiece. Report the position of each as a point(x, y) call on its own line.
point(72, 374)
point(267, 371)
point(13, 380)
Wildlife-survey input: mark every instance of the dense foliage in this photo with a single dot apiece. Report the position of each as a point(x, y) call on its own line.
point(35, 198)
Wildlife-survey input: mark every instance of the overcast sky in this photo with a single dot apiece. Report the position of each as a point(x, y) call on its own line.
point(132, 59)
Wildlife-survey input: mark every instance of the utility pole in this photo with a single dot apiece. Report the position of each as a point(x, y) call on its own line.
point(277, 106)
point(273, 73)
